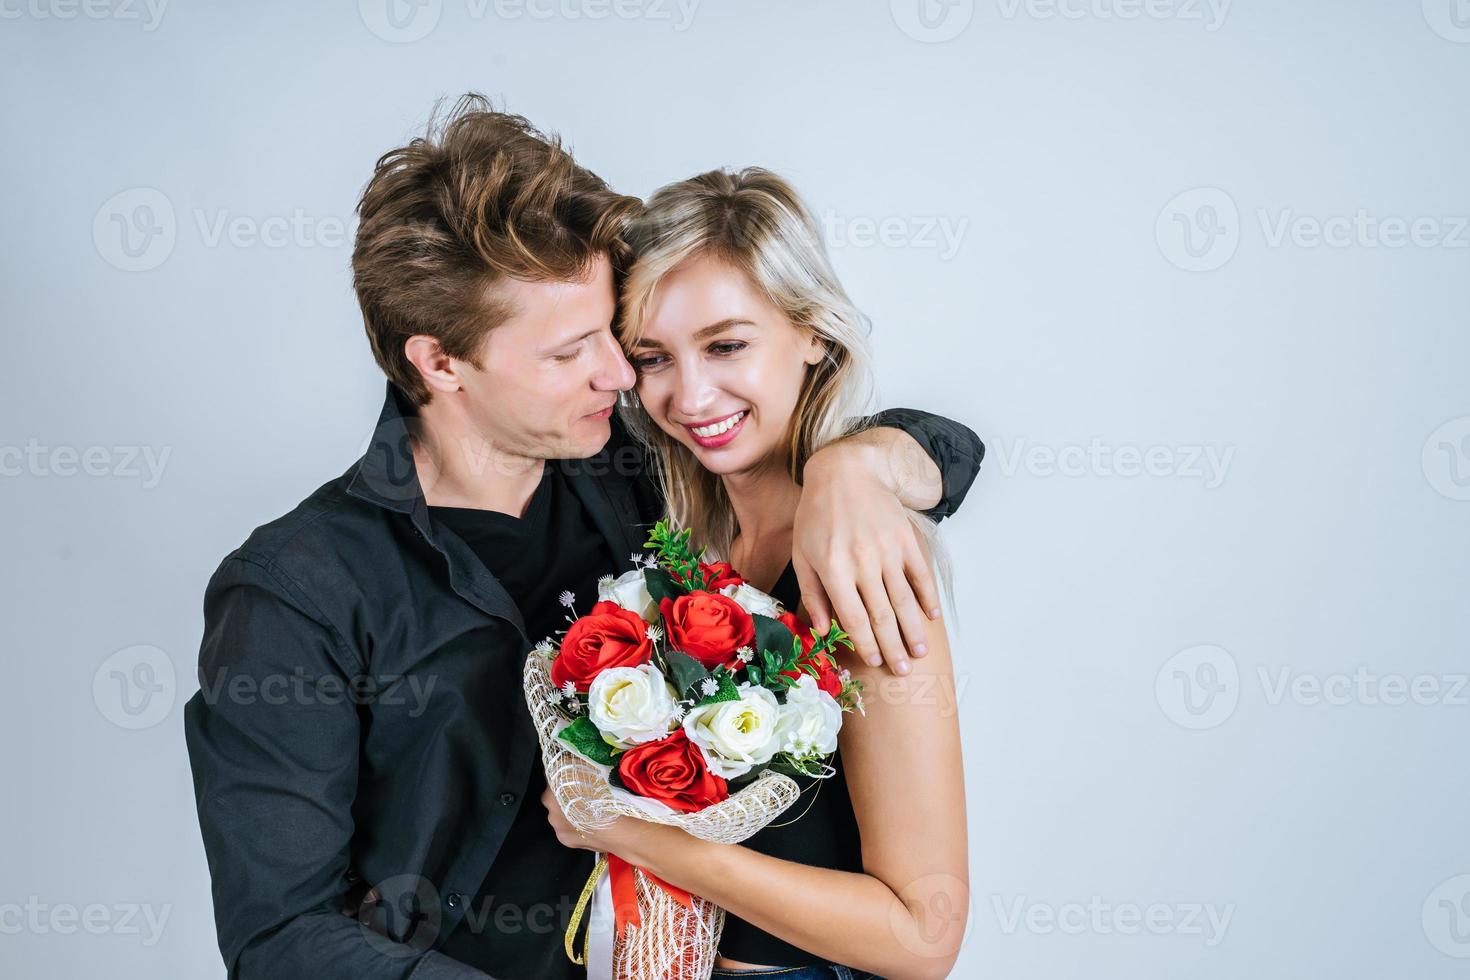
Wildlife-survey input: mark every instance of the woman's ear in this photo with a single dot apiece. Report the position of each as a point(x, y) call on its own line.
point(817, 347)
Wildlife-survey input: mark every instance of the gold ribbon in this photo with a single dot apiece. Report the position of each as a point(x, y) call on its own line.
point(582, 902)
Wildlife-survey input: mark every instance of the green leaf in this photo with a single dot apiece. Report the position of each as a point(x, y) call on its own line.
point(726, 691)
point(771, 634)
point(584, 737)
point(661, 585)
point(686, 673)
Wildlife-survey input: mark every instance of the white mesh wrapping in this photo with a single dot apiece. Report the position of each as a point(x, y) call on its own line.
point(673, 942)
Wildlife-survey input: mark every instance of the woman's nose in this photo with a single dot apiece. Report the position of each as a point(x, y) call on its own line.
point(692, 392)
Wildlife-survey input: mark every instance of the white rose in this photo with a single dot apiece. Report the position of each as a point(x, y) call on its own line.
point(631, 705)
point(630, 591)
point(735, 735)
point(809, 720)
point(752, 600)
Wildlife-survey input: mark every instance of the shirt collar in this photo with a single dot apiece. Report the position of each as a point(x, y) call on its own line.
point(386, 475)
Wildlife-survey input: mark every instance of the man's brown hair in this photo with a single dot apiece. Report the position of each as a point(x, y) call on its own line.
point(481, 197)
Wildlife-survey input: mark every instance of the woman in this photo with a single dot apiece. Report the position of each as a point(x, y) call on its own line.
point(750, 357)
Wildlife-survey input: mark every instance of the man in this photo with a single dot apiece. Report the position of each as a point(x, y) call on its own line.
point(360, 745)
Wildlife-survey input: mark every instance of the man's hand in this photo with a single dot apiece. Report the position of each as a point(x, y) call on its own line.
point(855, 553)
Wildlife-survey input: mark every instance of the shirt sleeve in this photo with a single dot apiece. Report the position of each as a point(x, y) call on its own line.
point(953, 446)
point(275, 776)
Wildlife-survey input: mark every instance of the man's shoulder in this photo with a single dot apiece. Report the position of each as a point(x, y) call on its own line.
point(327, 533)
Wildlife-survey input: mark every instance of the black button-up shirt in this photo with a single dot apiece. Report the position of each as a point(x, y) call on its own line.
point(360, 722)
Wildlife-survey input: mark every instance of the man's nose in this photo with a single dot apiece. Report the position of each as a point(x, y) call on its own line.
point(614, 373)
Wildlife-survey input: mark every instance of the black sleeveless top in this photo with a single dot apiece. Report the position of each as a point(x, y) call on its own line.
point(819, 829)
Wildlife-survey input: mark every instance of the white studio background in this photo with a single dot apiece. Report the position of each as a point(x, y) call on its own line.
point(1196, 271)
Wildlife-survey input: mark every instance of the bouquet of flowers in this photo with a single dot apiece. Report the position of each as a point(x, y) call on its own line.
point(684, 697)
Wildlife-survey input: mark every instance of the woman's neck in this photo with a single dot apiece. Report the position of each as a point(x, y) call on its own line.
point(764, 502)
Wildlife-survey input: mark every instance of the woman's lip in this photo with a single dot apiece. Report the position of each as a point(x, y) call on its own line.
point(715, 442)
point(700, 425)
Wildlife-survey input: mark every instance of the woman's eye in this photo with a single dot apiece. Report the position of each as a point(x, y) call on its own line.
point(728, 347)
point(644, 363)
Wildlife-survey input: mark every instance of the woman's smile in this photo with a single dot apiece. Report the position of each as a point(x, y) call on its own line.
point(720, 432)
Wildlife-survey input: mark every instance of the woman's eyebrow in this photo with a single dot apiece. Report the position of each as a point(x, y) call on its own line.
point(702, 332)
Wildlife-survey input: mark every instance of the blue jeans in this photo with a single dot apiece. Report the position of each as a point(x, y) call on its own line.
point(830, 971)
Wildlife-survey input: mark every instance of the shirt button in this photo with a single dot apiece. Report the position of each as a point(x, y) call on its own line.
point(506, 799)
point(454, 899)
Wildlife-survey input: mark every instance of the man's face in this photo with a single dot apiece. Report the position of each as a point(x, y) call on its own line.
point(551, 373)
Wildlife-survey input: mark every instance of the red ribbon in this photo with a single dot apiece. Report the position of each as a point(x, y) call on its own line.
point(625, 893)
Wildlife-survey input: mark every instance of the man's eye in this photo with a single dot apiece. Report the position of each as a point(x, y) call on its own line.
point(563, 358)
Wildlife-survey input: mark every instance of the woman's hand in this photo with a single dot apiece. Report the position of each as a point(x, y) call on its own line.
point(616, 839)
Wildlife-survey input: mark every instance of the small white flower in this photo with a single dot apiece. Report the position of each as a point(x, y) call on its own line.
point(649, 561)
point(546, 648)
point(567, 599)
point(636, 558)
point(654, 632)
point(709, 687)
point(605, 581)
point(745, 655)
point(569, 690)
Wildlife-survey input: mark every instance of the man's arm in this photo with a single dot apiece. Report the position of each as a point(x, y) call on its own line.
point(275, 776)
point(855, 552)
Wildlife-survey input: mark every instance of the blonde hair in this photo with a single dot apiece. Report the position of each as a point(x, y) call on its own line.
point(755, 221)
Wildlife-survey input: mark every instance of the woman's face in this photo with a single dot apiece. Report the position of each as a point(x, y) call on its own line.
point(720, 367)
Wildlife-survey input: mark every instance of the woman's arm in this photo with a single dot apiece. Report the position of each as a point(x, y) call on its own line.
point(905, 915)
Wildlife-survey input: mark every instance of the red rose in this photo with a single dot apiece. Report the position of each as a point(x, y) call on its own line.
point(709, 627)
point(672, 770)
point(608, 636)
point(717, 574)
point(827, 677)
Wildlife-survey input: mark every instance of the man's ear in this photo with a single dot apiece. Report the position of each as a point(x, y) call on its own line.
point(437, 368)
